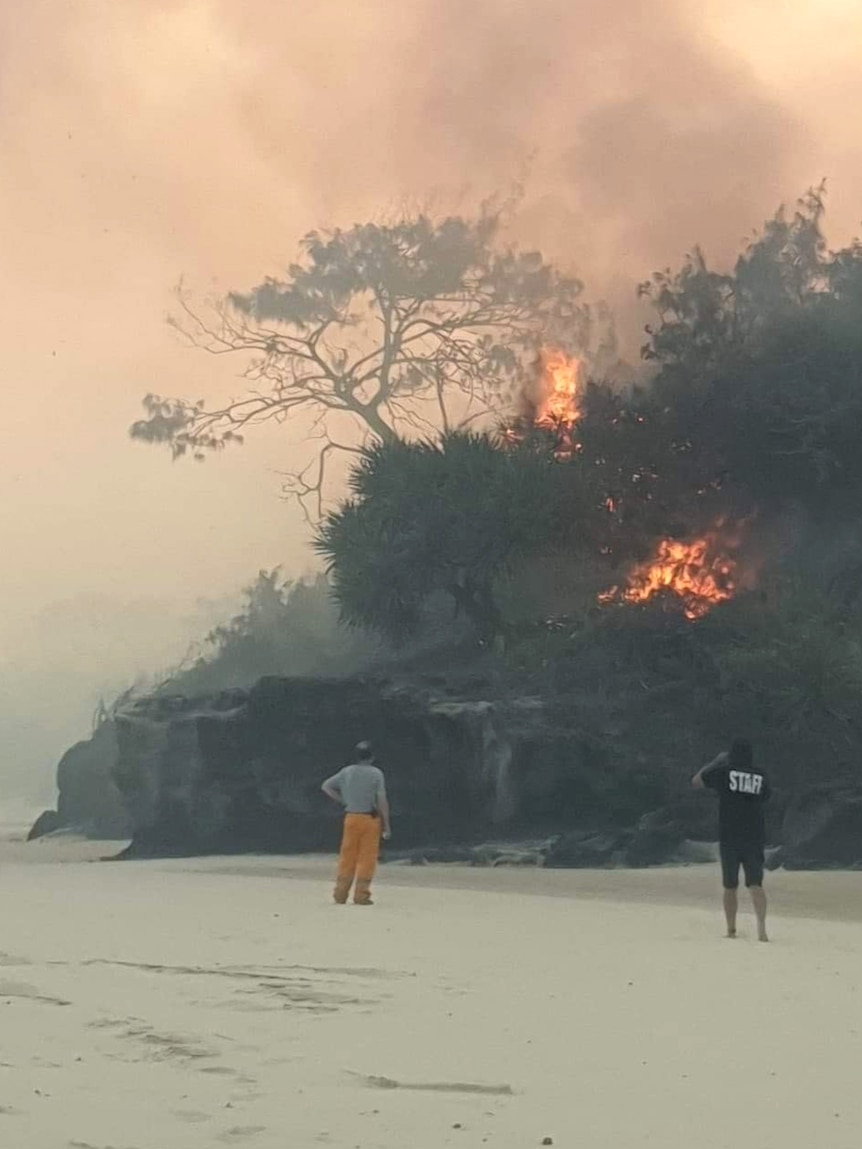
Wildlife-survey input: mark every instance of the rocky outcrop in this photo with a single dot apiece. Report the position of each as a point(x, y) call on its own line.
point(822, 829)
point(653, 842)
point(48, 822)
point(656, 840)
point(88, 798)
point(242, 771)
point(486, 854)
point(585, 850)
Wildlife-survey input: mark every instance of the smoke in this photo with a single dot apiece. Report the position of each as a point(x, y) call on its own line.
point(152, 138)
point(218, 131)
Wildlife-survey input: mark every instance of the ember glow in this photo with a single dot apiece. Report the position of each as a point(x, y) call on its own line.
point(701, 573)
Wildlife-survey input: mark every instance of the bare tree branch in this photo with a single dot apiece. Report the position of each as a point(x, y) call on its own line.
point(307, 486)
point(382, 323)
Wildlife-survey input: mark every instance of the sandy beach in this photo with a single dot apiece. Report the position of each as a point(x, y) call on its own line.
point(193, 1004)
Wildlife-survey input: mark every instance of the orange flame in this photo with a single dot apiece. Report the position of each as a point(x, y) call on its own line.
point(561, 384)
point(558, 408)
point(700, 573)
point(553, 402)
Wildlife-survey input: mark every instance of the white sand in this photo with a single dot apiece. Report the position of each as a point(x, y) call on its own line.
point(177, 1005)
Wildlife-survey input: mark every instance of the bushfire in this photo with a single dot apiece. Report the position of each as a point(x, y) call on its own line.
point(559, 404)
point(554, 401)
point(701, 573)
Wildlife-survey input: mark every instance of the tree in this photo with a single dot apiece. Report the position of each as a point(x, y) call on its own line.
point(400, 329)
point(759, 386)
point(704, 315)
point(426, 518)
point(283, 627)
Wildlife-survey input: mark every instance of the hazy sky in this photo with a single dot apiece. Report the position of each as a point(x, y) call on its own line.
point(147, 139)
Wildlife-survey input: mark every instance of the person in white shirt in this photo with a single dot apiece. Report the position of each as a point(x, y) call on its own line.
point(361, 790)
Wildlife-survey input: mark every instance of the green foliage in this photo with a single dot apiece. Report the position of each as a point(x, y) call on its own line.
point(797, 662)
point(414, 325)
point(426, 518)
point(283, 628)
point(759, 387)
point(784, 670)
point(703, 314)
point(756, 407)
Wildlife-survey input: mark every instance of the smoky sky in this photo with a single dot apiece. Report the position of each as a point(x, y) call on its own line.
point(143, 140)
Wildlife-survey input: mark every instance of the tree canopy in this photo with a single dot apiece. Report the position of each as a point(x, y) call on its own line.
point(378, 332)
point(759, 381)
point(427, 518)
point(750, 414)
point(283, 627)
point(754, 410)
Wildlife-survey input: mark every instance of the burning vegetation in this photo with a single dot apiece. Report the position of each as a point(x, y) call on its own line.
point(699, 572)
point(552, 403)
point(644, 497)
point(559, 406)
point(601, 489)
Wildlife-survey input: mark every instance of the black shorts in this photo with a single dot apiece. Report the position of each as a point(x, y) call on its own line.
point(733, 856)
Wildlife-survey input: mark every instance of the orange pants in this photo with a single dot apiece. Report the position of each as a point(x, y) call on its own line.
point(360, 846)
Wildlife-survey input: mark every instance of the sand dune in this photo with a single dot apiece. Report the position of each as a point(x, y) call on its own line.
point(183, 1005)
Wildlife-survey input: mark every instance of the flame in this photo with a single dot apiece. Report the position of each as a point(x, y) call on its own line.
point(561, 385)
point(558, 407)
point(701, 574)
point(552, 402)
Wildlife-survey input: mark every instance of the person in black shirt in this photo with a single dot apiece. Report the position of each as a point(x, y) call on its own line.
point(743, 791)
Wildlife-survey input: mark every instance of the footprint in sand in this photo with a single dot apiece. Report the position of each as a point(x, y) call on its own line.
point(313, 989)
point(20, 989)
point(113, 1022)
point(435, 1086)
point(87, 1145)
point(158, 1046)
point(239, 1133)
point(191, 1116)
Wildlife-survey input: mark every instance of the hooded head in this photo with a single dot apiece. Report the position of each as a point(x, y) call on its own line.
point(741, 755)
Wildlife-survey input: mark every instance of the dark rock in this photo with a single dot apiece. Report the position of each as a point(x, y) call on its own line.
point(88, 797)
point(583, 850)
point(242, 772)
point(432, 855)
point(690, 853)
point(656, 840)
point(47, 823)
point(773, 858)
point(822, 829)
point(512, 854)
point(694, 813)
point(205, 775)
point(487, 854)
